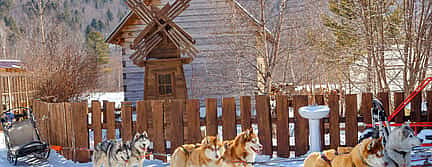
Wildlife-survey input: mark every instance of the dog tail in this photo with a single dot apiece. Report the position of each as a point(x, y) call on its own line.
point(179, 158)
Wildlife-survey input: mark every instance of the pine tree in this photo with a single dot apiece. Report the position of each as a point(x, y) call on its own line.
point(95, 42)
point(109, 15)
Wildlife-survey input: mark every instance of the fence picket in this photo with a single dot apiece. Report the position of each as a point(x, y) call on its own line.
point(384, 98)
point(282, 126)
point(192, 132)
point(211, 117)
point(334, 121)
point(81, 132)
point(158, 137)
point(173, 116)
point(126, 121)
point(301, 126)
point(416, 108)
point(245, 112)
point(429, 105)
point(110, 120)
point(264, 123)
point(365, 107)
point(398, 99)
point(96, 122)
point(229, 129)
point(351, 127)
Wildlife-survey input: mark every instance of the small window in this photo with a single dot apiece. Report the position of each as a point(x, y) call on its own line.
point(165, 84)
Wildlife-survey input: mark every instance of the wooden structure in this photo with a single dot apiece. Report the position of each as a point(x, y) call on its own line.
point(16, 86)
point(206, 21)
point(179, 121)
point(161, 48)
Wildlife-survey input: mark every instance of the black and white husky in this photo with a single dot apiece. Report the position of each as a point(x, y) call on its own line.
point(398, 148)
point(138, 146)
point(111, 153)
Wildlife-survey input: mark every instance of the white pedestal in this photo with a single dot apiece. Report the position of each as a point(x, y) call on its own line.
point(314, 135)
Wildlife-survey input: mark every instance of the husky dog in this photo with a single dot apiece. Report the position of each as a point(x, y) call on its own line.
point(243, 149)
point(207, 154)
point(111, 153)
point(138, 146)
point(370, 152)
point(324, 159)
point(399, 146)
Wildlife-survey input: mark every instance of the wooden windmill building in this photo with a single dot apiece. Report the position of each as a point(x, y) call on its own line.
point(161, 44)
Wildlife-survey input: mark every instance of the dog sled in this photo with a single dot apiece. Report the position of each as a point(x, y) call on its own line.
point(21, 135)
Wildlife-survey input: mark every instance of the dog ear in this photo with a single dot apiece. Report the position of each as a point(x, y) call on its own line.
point(145, 134)
point(137, 135)
point(371, 145)
point(205, 141)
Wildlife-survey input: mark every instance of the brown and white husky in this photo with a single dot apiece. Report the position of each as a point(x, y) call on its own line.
point(207, 154)
point(370, 152)
point(242, 150)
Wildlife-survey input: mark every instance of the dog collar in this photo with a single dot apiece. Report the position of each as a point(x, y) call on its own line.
point(403, 153)
point(325, 159)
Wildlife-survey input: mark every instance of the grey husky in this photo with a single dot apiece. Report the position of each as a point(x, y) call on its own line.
point(138, 146)
point(111, 153)
point(399, 145)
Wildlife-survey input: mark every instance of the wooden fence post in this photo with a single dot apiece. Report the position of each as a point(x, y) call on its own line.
point(229, 128)
point(245, 112)
point(211, 117)
point(69, 130)
point(110, 120)
point(334, 121)
point(81, 132)
point(365, 107)
point(301, 126)
point(142, 114)
point(429, 105)
point(384, 98)
point(283, 135)
point(264, 123)
point(351, 126)
point(416, 104)
point(158, 129)
point(96, 122)
point(192, 122)
point(126, 121)
point(398, 100)
point(173, 118)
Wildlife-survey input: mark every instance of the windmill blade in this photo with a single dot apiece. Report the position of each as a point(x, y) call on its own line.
point(179, 8)
point(144, 47)
point(137, 7)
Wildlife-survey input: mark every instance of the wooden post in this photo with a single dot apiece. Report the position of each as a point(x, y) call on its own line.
point(365, 107)
point(264, 123)
point(334, 121)
point(141, 117)
point(398, 100)
point(158, 137)
point(126, 121)
point(211, 117)
point(96, 122)
point(351, 127)
point(384, 98)
point(69, 130)
point(245, 112)
point(110, 120)
point(283, 136)
point(301, 126)
point(173, 118)
point(229, 129)
point(192, 122)
point(429, 105)
point(81, 132)
point(416, 108)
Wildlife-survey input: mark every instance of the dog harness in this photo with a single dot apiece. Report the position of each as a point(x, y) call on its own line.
point(325, 158)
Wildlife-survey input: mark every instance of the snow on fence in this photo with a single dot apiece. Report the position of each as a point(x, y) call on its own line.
point(179, 121)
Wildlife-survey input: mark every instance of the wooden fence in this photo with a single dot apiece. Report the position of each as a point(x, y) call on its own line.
point(179, 121)
point(16, 89)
